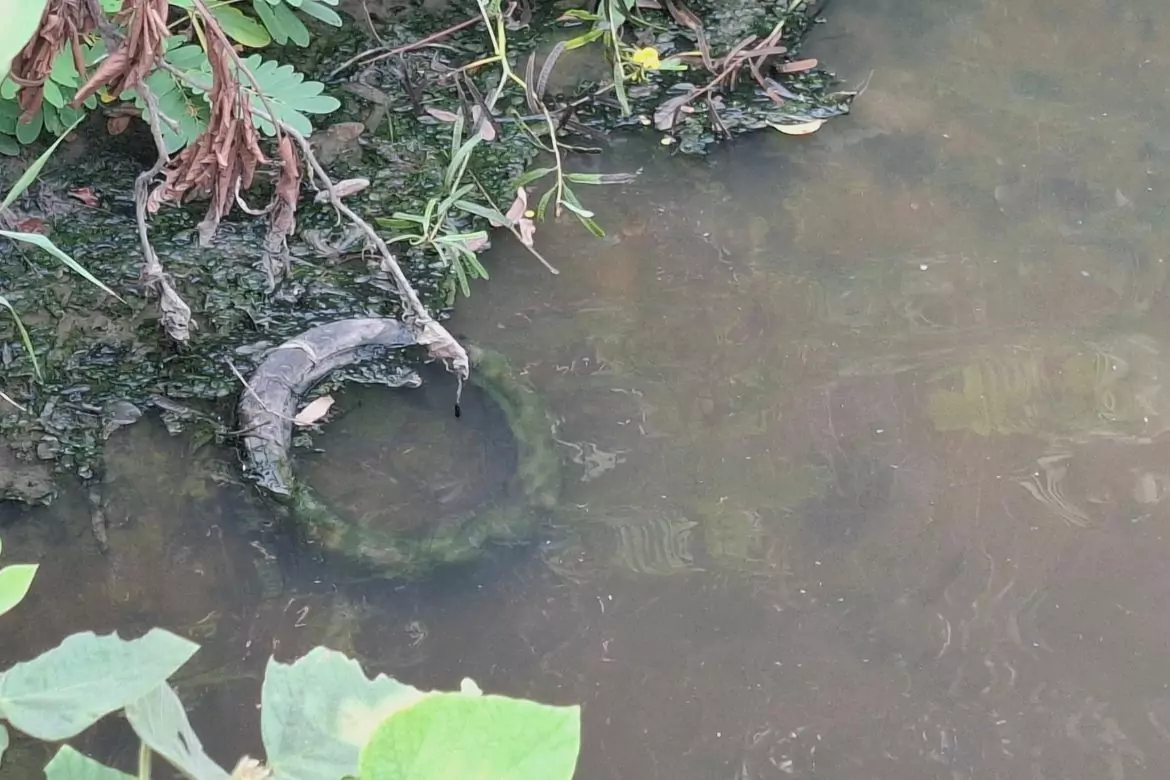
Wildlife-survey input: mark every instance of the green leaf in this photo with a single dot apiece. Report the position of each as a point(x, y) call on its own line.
point(322, 12)
point(8, 146)
point(68, 764)
point(64, 691)
point(30, 174)
point(3, 742)
point(27, 132)
point(290, 96)
point(42, 242)
point(64, 71)
point(601, 178)
point(453, 735)
point(21, 18)
point(24, 338)
point(14, 584)
point(264, 10)
point(190, 112)
point(490, 214)
point(530, 176)
point(317, 713)
point(293, 26)
point(159, 721)
point(240, 28)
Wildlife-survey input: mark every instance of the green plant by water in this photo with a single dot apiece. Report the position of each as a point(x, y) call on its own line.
point(321, 717)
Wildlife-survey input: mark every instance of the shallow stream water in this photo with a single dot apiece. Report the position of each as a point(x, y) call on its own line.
point(865, 432)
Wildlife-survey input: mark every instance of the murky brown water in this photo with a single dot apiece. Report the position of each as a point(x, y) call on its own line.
point(867, 432)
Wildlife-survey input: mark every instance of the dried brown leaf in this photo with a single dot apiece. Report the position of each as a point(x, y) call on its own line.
point(441, 115)
point(343, 188)
point(801, 128)
point(798, 66)
point(314, 411)
point(666, 115)
point(63, 23)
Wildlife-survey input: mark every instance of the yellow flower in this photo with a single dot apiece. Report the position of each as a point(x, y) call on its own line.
point(646, 58)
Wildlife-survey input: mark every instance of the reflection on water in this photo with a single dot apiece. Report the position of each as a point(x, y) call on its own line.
point(866, 438)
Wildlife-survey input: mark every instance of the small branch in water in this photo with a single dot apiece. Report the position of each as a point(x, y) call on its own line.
point(439, 343)
point(248, 389)
point(176, 314)
point(379, 53)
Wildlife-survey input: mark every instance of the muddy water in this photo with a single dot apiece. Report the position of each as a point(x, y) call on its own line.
point(866, 434)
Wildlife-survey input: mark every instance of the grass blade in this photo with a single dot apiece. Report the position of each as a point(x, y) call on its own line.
point(43, 242)
point(34, 170)
point(28, 347)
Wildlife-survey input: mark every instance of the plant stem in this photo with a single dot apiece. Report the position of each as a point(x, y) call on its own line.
point(144, 758)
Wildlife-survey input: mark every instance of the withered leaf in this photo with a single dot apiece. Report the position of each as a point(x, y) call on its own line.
point(666, 115)
point(314, 411)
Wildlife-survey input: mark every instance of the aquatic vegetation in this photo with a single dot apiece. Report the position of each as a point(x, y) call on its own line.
point(15, 581)
point(321, 718)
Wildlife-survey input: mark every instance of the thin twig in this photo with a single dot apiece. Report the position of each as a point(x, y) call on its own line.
point(248, 389)
point(512, 228)
point(175, 311)
point(7, 398)
point(381, 53)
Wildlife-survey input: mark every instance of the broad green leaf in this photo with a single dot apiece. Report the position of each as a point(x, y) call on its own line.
point(14, 584)
point(64, 691)
point(290, 96)
point(3, 742)
point(21, 18)
point(240, 28)
point(318, 712)
point(263, 9)
point(42, 242)
point(453, 735)
point(159, 721)
point(64, 71)
point(30, 174)
point(321, 11)
point(27, 132)
point(24, 337)
point(68, 764)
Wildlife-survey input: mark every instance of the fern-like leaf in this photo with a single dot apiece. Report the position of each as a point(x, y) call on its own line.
point(288, 94)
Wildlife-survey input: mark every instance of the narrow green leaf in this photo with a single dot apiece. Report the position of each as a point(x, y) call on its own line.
point(34, 170)
point(542, 205)
point(21, 18)
point(530, 176)
point(460, 238)
point(42, 242)
point(570, 202)
point(68, 764)
point(585, 39)
point(488, 213)
point(601, 178)
point(619, 88)
point(3, 743)
point(64, 691)
point(24, 338)
point(459, 161)
point(14, 584)
point(453, 735)
point(159, 721)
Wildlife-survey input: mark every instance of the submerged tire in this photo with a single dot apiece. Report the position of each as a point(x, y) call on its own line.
point(292, 369)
